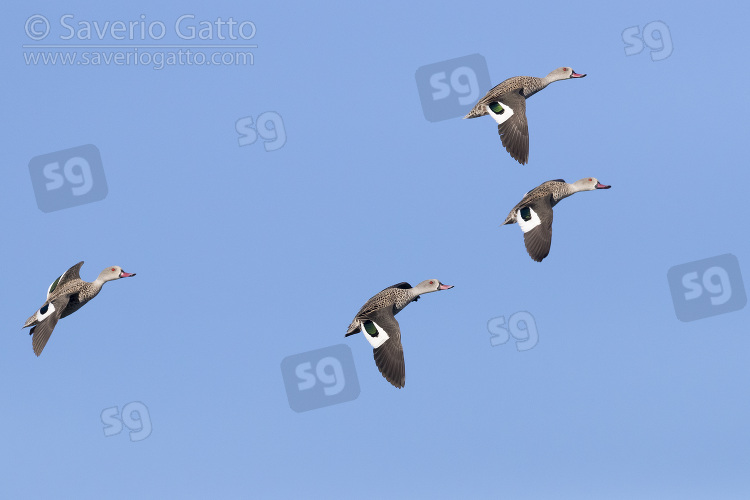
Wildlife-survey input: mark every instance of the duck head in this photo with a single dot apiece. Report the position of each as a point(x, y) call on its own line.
point(113, 273)
point(589, 184)
point(432, 285)
point(564, 73)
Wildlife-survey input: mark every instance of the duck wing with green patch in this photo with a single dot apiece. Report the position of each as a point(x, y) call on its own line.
point(514, 132)
point(71, 274)
point(389, 357)
point(49, 313)
point(385, 297)
point(535, 220)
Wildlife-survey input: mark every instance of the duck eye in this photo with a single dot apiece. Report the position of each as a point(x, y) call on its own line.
point(431, 282)
point(113, 269)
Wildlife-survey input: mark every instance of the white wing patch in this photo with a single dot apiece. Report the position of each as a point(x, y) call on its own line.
point(502, 118)
point(41, 316)
point(376, 342)
point(528, 225)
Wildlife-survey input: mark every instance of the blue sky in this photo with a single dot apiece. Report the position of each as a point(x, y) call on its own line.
point(245, 256)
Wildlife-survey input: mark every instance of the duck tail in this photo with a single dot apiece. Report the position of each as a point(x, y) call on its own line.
point(353, 328)
point(30, 322)
point(476, 111)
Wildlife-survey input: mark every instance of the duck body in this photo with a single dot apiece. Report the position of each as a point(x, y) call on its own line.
point(511, 94)
point(66, 295)
point(534, 212)
point(525, 86)
point(377, 318)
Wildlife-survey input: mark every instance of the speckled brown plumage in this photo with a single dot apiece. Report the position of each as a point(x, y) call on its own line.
point(395, 297)
point(524, 85)
point(554, 191)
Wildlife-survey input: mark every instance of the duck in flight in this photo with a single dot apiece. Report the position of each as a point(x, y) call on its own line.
point(66, 295)
point(506, 103)
point(377, 319)
point(534, 212)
